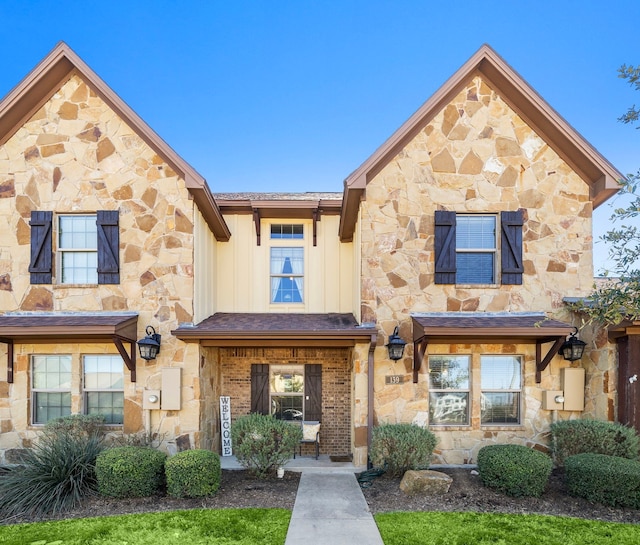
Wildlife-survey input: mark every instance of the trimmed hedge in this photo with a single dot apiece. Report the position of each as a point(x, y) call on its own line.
point(193, 474)
point(130, 472)
point(514, 469)
point(262, 443)
point(609, 480)
point(572, 437)
point(400, 447)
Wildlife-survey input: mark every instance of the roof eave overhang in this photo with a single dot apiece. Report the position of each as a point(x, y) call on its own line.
point(48, 76)
point(586, 161)
point(271, 209)
point(275, 338)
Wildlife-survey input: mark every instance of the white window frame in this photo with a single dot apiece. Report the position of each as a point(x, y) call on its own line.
point(90, 391)
point(44, 390)
point(62, 251)
point(452, 395)
point(282, 242)
point(508, 390)
point(493, 251)
point(298, 369)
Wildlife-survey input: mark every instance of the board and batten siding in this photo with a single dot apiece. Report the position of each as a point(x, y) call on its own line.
point(204, 265)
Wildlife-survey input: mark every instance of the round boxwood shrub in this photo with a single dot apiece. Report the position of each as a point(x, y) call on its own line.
point(610, 480)
point(571, 437)
point(514, 469)
point(400, 447)
point(128, 472)
point(193, 474)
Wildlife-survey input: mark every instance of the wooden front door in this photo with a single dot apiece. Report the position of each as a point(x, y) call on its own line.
point(629, 381)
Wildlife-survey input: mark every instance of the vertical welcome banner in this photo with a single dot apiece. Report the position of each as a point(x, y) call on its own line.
point(225, 425)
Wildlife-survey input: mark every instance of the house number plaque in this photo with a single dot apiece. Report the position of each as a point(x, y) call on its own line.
point(394, 379)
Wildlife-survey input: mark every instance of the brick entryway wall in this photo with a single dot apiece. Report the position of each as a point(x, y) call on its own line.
point(335, 434)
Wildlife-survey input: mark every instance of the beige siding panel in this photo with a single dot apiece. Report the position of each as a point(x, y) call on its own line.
point(205, 249)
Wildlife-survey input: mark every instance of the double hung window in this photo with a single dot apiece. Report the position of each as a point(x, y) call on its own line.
point(449, 390)
point(501, 378)
point(78, 249)
point(475, 249)
point(51, 387)
point(287, 265)
point(104, 387)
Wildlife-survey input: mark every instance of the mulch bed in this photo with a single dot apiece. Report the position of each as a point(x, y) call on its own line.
point(239, 489)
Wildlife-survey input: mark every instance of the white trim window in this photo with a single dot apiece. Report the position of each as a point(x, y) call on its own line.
point(476, 249)
point(104, 387)
point(501, 383)
point(286, 264)
point(50, 387)
point(449, 400)
point(77, 249)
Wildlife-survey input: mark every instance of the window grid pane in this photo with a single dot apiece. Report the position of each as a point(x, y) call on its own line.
point(77, 245)
point(290, 231)
point(78, 233)
point(51, 372)
point(50, 405)
point(108, 404)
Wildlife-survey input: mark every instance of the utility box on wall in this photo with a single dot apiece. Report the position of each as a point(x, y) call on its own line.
point(572, 380)
point(171, 386)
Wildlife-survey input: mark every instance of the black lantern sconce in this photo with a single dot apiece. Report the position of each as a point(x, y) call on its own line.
point(573, 348)
point(395, 346)
point(149, 346)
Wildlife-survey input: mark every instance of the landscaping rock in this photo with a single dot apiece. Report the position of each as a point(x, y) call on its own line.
point(427, 482)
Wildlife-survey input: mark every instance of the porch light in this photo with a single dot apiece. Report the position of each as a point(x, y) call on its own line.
point(573, 348)
point(395, 345)
point(149, 346)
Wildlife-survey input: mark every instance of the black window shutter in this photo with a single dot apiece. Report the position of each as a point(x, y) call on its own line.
point(108, 247)
point(445, 247)
point(511, 239)
point(260, 388)
point(313, 392)
point(40, 266)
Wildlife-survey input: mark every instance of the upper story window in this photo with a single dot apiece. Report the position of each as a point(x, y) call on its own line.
point(87, 248)
point(287, 265)
point(467, 251)
point(475, 249)
point(78, 249)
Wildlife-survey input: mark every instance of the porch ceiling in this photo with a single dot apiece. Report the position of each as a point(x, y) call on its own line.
point(276, 329)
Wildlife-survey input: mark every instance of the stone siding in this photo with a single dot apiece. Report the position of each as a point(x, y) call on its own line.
point(475, 156)
point(75, 155)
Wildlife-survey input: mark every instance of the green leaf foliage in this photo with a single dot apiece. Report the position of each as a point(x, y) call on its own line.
point(604, 479)
point(129, 472)
point(400, 447)
point(262, 443)
point(58, 472)
point(514, 469)
point(193, 474)
point(571, 437)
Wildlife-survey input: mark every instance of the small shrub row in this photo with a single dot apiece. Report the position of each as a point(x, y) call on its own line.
point(572, 437)
point(514, 469)
point(262, 443)
point(400, 447)
point(609, 480)
point(130, 471)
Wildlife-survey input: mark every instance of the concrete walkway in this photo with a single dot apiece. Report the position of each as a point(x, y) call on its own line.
point(330, 509)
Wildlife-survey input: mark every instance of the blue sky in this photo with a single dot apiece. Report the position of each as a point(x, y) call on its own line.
point(293, 95)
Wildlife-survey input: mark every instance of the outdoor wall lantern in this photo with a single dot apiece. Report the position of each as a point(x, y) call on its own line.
point(149, 346)
point(395, 345)
point(573, 348)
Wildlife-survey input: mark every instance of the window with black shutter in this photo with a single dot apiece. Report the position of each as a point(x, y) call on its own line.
point(466, 248)
point(108, 247)
point(41, 264)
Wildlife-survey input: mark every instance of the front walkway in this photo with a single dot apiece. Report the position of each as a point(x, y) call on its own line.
point(330, 509)
point(301, 464)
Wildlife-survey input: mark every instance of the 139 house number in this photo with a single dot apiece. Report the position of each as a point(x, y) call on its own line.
point(394, 379)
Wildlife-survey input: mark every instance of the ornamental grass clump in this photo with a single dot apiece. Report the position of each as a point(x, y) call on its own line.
point(262, 443)
point(399, 447)
point(130, 472)
point(193, 474)
point(58, 472)
point(610, 480)
point(514, 469)
point(571, 437)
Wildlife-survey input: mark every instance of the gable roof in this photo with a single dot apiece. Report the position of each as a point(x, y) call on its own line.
point(583, 158)
point(48, 76)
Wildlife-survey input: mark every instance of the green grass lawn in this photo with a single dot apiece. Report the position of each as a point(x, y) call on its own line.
point(427, 528)
point(193, 527)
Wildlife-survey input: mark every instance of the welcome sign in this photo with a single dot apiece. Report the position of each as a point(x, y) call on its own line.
point(225, 425)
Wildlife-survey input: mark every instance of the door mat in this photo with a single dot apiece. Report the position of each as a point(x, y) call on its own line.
point(341, 458)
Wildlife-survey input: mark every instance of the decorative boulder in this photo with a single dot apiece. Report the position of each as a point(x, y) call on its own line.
point(430, 483)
